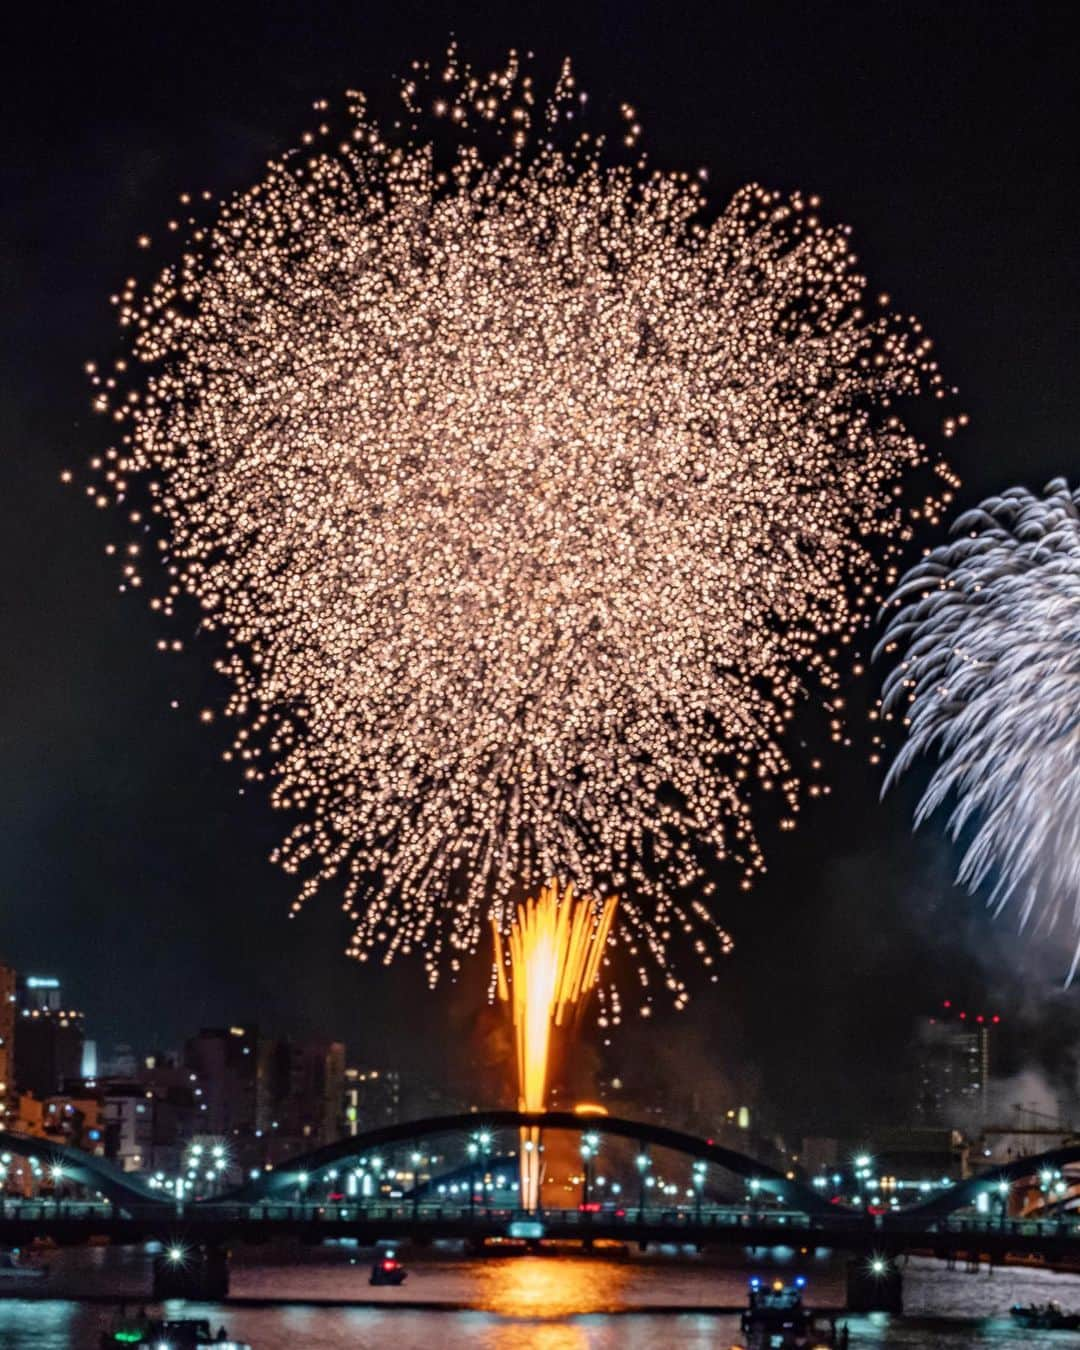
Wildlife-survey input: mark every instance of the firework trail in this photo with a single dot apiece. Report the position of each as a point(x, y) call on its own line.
point(553, 951)
point(989, 625)
point(526, 500)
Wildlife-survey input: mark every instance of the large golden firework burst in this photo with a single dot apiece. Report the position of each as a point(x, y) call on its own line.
point(527, 496)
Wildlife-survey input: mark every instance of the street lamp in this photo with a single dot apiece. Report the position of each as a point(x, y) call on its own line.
point(417, 1159)
point(699, 1185)
point(1003, 1189)
point(590, 1146)
point(641, 1162)
point(472, 1149)
point(484, 1139)
point(57, 1174)
point(528, 1186)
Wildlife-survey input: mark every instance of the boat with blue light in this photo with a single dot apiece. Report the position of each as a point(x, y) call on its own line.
point(776, 1318)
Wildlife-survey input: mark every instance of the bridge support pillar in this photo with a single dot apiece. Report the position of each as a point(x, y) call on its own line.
point(195, 1272)
point(874, 1285)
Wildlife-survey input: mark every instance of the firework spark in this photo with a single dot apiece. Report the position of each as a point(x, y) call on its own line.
point(525, 497)
point(990, 683)
point(554, 949)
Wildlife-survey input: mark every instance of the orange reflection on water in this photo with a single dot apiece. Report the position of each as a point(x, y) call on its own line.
point(540, 1286)
point(534, 1336)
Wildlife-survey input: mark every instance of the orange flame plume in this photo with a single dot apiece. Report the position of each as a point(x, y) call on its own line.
point(555, 946)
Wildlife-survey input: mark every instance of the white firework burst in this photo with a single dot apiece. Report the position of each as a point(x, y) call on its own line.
point(989, 682)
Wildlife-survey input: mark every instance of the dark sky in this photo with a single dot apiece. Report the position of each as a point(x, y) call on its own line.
point(945, 134)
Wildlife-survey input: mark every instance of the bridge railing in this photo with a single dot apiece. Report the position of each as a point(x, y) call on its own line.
point(1017, 1227)
point(898, 1227)
point(400, 1210)
point(50, 1209)
point(725, 1216)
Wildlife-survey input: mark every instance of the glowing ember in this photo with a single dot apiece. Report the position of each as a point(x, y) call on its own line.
point(527, 497)
point(554, 950)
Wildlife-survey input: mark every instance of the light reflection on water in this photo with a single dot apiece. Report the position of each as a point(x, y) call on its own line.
point(546, 1287)
point(526, 1303)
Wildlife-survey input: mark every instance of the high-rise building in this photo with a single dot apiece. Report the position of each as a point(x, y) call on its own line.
point(146, 1119)
point(128, 1110)
point(40, 993)
point(7, 1042)
point(120, 1062)
point(305, 1084)
point(372, 1097)
point(229, 1070)
point(952, 1067)
point(48, 1037)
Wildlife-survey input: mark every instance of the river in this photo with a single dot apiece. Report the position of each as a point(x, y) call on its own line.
point(297, 1299)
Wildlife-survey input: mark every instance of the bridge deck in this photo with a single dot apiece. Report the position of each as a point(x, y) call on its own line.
point(70, 1223)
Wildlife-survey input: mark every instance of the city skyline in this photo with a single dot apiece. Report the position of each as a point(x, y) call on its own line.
point(248, 1098)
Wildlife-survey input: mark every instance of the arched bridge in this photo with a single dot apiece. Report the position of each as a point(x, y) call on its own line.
point(273, 1184)
point(129, 1193)
point(96, 1174)
point(965, 1194)
point(277, 1203)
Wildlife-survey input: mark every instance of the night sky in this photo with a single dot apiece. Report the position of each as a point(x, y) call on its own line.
point(129, 863)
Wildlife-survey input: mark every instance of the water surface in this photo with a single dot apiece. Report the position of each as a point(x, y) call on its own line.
point(522, 1303)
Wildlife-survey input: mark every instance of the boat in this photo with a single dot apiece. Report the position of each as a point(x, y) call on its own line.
point(1045, 1317)
point(183, 1333)
point(16, 1265)
point(776, 1317)
point(387, 1269)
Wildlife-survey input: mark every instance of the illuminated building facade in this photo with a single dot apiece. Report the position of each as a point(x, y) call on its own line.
point(48, 1037)
point(371, 1097)
point(232, 1078)
point(952, 1066)
point(40, 993)
point(305, 1081)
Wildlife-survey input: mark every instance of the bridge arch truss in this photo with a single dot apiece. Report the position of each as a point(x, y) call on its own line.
point(965, 1194)
point(96, 1174)
point(275, 1184)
